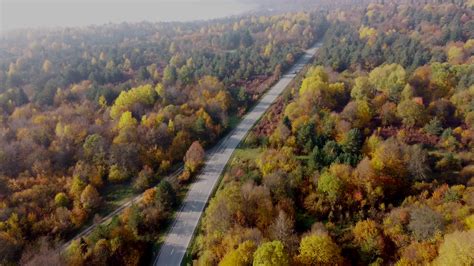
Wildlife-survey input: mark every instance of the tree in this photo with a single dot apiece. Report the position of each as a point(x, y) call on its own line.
point(352, 141)
point(144, 179)
point(315, 91)
point(273, 160)
point(117, 174)
point(143, 74)
point(330, 152)
point(369, 239)
point(407, 92)
point(469, 221)
point(165, 194)
point(10, 247)
point(61, 200)
point(411, 112)
point(363, 89)
point(457, 249)
point(316, 159)
point(169, 75)
point(200, 127)
point(133, 218)
point(318, 72)
point(388, 158)
point(257, 205)
point(282, 230)
point(242, 96)
point(241, 256)
point(358, 113)
point(194, 157)
point(132, 99)
point(74, 253)
point(181, 142)
point(90, 198)
point(185, 75)
point(417, 163)
point(126, 121)
point(227, 201)
point(319, 249)
point(424, 223)
point(304, 137)
point(101, 252)
point(332, 186)
point(95, 148)
point(270, 253)
point(43, 254)
point(434, 127)
point(47, 66)
point(389, 79)
point(185, 176)
point(246, 39)
point(455, 55)
point(77, 186)
point(418, 253)
point(388, 114)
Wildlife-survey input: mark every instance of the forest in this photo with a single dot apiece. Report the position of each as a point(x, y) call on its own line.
point(91, 116)
point(369, 159)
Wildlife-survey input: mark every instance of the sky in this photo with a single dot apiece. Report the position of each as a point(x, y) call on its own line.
point(17, 14)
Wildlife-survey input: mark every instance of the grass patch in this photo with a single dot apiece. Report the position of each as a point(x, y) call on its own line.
point(117, 193)
point(246, 153)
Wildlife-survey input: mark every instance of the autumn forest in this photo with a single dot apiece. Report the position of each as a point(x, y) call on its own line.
point(367, 158)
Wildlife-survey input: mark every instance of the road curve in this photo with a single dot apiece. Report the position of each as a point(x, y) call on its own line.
point(180, 233)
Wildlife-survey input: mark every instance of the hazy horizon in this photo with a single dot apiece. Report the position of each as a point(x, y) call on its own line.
point(20, 14)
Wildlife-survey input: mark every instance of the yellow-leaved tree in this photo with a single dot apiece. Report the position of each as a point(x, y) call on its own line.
point(319, 249)
point(456, 249)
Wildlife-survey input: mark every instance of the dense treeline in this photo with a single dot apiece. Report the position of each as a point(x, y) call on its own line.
point(371, 165)
point(409, 35)
point(86, 112)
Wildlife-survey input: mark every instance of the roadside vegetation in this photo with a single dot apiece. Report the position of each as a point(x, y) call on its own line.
point(369, 160)
point(90, 117)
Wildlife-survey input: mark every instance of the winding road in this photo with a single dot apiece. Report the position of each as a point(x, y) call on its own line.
point(186, 220)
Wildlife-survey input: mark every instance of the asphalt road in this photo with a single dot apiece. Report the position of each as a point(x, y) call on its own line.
point(180, 233)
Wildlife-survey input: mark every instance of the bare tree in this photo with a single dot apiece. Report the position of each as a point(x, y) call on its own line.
point(41, 254)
